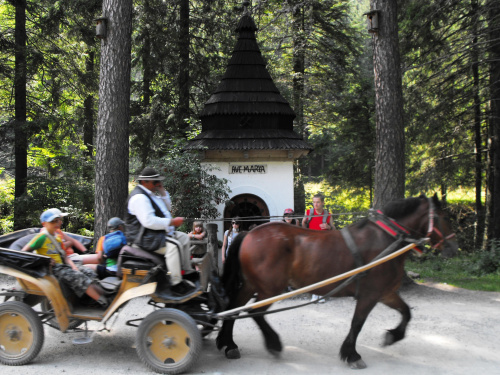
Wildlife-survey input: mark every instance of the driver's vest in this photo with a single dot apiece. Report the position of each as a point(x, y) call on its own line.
point(132, 224)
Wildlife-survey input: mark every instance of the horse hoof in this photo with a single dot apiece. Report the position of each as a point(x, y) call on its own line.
point(357, 365)
point(275, 353)
point(389, 339)
point(233, 354)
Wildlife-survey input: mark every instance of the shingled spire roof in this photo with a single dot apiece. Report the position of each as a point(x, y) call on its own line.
point(247, 111)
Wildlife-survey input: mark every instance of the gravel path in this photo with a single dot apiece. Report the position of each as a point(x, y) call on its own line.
point(453, 331)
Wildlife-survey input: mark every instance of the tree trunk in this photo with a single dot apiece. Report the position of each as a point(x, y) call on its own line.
point(147, 93)
point(89, 116)
point(494, 116)
point(478, 238)
point(112, 145)
point(88, 106)
point(390, 156)
point(184, 42)
point(21, 133)
point(298, 66)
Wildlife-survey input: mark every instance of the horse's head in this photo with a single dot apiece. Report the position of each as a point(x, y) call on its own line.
point(439, 228)
point(424, 217)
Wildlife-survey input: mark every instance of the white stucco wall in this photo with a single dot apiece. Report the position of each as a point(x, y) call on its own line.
point(275, 187)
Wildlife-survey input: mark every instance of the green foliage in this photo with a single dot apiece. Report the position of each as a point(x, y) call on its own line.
point(441, 44)
point(314, 54)
point(347, 206)
point(68, 194)
point(487, 261)
point(6, 204)
point(443, 47)
point(156, 45)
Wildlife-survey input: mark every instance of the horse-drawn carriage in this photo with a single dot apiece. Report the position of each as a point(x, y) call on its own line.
point(261, 263)
point(168, 340)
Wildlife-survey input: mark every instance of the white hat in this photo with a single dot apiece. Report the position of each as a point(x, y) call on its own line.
point(51, 214)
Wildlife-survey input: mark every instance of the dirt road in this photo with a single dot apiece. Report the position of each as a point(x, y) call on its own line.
point(453, 331)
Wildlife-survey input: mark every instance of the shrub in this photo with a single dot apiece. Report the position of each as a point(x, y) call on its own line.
point(488, 261)
point(6, 205)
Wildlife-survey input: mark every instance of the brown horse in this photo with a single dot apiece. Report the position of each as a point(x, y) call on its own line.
point(272, 256)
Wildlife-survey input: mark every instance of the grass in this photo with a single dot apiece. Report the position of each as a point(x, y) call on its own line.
point(463, 271)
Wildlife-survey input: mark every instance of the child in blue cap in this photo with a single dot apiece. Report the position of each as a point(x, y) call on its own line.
point(79, 279)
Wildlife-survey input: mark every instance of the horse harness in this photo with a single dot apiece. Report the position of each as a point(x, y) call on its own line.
point(396, 231)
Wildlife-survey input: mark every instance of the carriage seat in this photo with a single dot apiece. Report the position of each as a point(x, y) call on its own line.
point(137, 259)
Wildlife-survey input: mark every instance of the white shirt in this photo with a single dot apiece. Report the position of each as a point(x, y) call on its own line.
point(140, 206)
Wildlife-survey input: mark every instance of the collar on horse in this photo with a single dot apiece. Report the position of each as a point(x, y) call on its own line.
point(396, 230)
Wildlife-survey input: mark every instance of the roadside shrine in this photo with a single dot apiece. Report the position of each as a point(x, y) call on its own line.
point(247, 132)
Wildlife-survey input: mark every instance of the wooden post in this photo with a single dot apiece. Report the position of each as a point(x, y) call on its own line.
point(213, 244)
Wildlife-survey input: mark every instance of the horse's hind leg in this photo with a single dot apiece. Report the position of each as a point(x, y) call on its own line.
point(273, 342)
point(348, 351)
point(394, 301)
point(225, 336)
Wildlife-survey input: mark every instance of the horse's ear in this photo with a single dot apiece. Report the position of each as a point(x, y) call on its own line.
point(436, 200)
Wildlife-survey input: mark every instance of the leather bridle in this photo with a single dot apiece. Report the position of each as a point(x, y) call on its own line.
point(436, 229)
point(396, 230)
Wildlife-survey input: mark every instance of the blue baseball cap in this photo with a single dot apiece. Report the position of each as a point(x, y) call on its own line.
point(51, 214)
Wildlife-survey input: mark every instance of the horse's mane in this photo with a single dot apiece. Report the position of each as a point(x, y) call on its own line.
point(402, 207)
point(361, 223)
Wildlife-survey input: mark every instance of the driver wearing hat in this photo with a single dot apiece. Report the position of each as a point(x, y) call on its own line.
point(149, 224)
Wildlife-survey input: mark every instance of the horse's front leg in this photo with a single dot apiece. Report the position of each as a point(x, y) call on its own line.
point(225, 336)
point(394, 301)
point(225, 339)
point(348, 351)
point(273, 342)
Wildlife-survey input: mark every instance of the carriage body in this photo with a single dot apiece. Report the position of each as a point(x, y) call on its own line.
point(39, 299)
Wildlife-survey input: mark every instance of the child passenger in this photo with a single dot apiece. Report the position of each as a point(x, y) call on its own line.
point(79, 279)
point(198, 233)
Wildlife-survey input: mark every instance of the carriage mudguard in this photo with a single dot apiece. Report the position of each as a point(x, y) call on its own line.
point(46, 286)
point(127, 295)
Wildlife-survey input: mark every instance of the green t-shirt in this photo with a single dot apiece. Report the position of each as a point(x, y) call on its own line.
point(42, 245)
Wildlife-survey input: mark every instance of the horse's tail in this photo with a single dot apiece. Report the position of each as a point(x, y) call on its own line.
point(231, 277)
